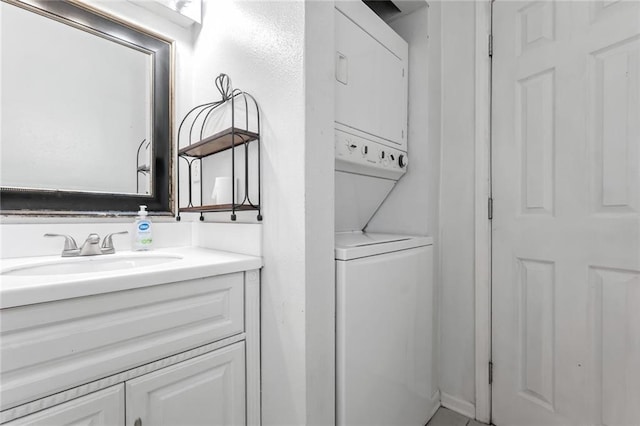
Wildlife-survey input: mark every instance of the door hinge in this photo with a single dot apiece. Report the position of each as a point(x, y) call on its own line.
point(490, 45)
point(490, 208)
point(490, 372)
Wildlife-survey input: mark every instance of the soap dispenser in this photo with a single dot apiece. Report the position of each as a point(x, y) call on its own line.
point(142, 238)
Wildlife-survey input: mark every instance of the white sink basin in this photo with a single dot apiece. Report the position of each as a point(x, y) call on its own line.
point(87, 265)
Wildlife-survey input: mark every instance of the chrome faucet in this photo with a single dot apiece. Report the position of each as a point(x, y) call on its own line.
point(91, 246)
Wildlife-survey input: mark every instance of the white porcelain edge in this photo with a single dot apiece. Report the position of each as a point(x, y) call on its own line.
point(195, 263)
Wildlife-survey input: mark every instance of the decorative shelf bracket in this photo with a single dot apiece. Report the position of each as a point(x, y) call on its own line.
point(202, 141)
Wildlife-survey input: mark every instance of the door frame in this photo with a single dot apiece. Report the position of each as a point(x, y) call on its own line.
point(483, 194)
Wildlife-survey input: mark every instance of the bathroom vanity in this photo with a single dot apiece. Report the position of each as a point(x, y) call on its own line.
point(163, 342)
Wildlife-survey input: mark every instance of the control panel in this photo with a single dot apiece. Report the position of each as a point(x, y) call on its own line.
point(356, 154)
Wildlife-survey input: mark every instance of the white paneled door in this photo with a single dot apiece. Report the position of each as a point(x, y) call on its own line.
point(566, 224)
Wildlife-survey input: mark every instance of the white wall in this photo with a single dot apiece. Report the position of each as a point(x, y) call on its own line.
point(278, 52)
point(260, 46)
point(457, 348)
point(319, 204)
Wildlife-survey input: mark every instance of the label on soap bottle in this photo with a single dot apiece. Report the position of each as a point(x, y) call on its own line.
point(143, 237)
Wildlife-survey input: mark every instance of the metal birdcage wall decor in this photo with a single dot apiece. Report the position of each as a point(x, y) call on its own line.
point(203, 141)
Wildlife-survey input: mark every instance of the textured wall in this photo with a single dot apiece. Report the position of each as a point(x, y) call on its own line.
point(277, 52)
point(457, 195)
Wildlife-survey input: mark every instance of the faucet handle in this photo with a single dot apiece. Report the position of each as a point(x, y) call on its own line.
point(92, 238)
point(70, 246)
point(107, 242)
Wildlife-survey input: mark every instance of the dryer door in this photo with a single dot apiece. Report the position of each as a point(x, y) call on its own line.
point(371, 81)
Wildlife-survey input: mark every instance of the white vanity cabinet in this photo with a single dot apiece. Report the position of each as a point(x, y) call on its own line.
point(206, 390)
point(102, 408)
point(180, 353)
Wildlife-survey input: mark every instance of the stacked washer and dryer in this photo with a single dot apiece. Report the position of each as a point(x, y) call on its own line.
point(384, 290)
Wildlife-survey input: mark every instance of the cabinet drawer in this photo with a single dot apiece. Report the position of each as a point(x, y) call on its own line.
point(206, 390)
point(50, 347)
point(102, 408)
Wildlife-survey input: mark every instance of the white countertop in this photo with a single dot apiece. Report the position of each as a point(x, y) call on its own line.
point(195, 263)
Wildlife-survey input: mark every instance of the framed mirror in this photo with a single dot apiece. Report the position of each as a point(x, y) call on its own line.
point(86, 112)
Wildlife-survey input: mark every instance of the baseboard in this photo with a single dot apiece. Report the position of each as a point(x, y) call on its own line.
point(458, 405)
point(435, 404)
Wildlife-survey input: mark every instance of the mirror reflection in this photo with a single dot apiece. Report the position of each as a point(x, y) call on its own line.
point(76, 108)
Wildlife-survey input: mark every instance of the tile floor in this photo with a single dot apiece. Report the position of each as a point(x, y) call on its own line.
point(446, 417)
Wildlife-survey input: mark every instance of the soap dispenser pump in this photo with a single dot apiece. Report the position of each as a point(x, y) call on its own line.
point(142, 237)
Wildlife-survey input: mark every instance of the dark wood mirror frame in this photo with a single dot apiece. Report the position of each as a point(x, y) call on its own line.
point(59, 202)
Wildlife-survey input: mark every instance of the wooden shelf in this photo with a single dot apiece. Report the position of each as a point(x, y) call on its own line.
point(199, 121)
point(215, 208)
point(221, 141)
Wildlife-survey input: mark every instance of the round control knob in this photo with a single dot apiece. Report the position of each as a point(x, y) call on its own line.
point(365, 149)
point(402, 161)
point(351, 146)
point(382, 155)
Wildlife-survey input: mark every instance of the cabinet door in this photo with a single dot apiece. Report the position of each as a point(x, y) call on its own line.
point(102, 408)
point(206, 390)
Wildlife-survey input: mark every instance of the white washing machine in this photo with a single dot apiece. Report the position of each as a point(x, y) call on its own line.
point(384, 329)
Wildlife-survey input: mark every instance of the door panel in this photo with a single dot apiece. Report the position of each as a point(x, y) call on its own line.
point(566, 229)
point(206, 390)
